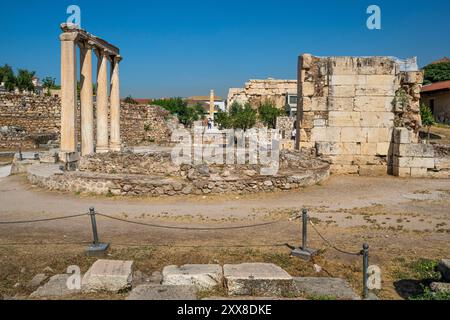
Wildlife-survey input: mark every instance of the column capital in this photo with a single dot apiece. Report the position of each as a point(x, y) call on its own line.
point(101, 52)
point(117, 58)
point(89, 45)
point(69, 36)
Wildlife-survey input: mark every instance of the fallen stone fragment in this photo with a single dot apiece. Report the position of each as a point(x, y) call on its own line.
point(444, 269)
point(257, 279)
point(55, 287)
point(440, 287)
point(203, 276)
point(108, 275)
point(37, 280)
point(326, 287)
point(163, 292)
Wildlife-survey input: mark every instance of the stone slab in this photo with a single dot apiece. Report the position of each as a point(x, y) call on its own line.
point(37, 280)
point(55, 287)
point(5, 171)
point(108, 275)
point(202, 276)
point(444, 269)
point(163, 292)
point(334, 287)
point(440, 287)
point(263, 279)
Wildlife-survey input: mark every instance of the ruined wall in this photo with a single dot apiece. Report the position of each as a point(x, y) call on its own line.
point(349, 107)
point(257, 91)
point(28, 120)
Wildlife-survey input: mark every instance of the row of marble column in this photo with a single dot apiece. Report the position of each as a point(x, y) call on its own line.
point(105, 142)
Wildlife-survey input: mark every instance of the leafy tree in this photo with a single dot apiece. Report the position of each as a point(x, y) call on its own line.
point(7, 76)
point(239, 117)
point(49, 83)
point(24, 80)
point(224, 120)
point(427, 118)
point(268, 113)
point(130, 100)
point(437, 72)
point(179, 107)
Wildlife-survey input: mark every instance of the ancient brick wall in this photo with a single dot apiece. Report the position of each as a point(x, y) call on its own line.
point(28, 120)
point(257, 91)
point(349, 107)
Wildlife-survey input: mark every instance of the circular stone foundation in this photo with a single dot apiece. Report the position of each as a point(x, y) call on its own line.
point(154, 174)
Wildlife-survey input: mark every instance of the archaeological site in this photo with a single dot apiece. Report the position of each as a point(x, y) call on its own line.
point(322, 177)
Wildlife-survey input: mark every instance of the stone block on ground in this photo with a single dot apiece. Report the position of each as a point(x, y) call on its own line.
point(332, 287)
point(440, 287)
point(202, 276)
point(257, 279)
point(163, 292)
point(37, 280)
point(108, 275)
point(55, 287)
point(444, 269)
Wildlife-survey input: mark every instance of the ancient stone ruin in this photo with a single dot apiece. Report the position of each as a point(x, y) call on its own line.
point(353, 108)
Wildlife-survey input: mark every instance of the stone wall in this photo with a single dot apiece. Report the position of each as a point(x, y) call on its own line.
point(257, 91)
point(349, 107)
point(28, 120)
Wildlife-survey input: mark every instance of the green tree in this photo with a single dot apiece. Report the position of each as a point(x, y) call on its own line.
point(7, 77)
point(427, 118)
point(49, 83)
point(268, 113)
point(224, 120)
point(130, 100)
point(239, 117)
point(437, 72)
point(179, 107)
point(24, 80)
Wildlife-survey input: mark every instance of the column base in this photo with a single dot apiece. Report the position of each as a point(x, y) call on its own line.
point(102, 149)
point(115, 147)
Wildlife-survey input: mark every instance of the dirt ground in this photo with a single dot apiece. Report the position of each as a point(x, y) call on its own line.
point(405, 222)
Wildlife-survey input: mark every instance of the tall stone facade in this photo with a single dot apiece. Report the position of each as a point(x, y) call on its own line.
point(349, 107)
point(27, 120)
point(257, 91)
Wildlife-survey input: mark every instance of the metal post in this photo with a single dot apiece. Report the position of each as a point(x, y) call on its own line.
point(304, 229)
point(94, 225)
point(365, 253)
point(20, 154)
point(96, 248)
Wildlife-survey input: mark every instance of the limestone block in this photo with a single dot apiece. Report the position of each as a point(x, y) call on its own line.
point(369, 149)
point(307, 89)
point(352, 134)
point(444, 269)
point(341, 104)
point(161, 292)
point(343, 169)
point(413, 77)
point(344, 119)
point(402, 135)
point(335, 287)
point(55, 287)
point(377, 119)
point(263, 279)
point(401, 172)
point(319, 104)
point(414, 150)
point(342, 91)
point(419, 172)
point(108, 275)
point(306, 104)
point(414, 162)
point(348, 80)
point(375, 135)
point(336, 148)
point(204, 277)
point(306, 61)
point(326, 134)
point(371, 103)
point(383, 148)
point(319, 122)
point(376, 91)
point(380, 79)
point(372, 170)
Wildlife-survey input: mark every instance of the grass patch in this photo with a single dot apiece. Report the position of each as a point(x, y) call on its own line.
point(430, 295)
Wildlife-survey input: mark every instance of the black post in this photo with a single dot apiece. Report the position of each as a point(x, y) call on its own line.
point(365, 253)
point(94, 225)
point(305, 229)
point(20, 154)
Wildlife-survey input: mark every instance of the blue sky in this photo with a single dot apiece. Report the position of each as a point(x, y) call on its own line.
point(183, 48)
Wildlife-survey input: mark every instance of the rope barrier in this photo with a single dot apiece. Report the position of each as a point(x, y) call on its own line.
point(42, 220)
point(331, 245)
point(190, 228)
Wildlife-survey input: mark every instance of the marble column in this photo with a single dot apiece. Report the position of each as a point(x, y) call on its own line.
point(115, 143)
point(68, 92)
point(211, 105)
point(102, 103)
point(87, 103)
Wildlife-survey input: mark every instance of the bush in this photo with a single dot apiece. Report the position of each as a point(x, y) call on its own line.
point(177, 106)
point(427, 118)
point(239, 117)
point(437, 72)
point(268, 113)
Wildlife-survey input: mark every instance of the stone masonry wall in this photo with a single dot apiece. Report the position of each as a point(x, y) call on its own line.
point(349, 107)
point(27, 120)
point(257, 91)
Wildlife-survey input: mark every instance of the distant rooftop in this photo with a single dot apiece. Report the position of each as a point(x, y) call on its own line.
point(438, 86)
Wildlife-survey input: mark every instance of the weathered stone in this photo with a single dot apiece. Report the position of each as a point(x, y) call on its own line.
point(440, 287)
point(205, 277)
point(55, 287)
point(163, 292)
point(108, 275)
point(263, 279)
point(37, 280)
point(444, 269)
point(333, 287)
